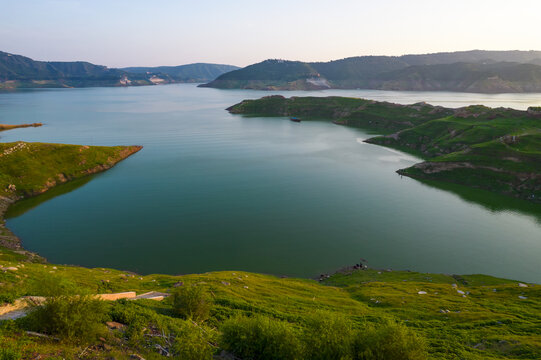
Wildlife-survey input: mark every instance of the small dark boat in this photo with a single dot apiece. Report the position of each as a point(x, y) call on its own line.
point(295, 119)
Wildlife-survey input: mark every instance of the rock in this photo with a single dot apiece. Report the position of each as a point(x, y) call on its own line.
point(177, 284)
point(522, 297)
point(246, 287)
point(113, 325)
point(522, 285)
point(460, 292)
point(454, 285)
point(422, 293)
point(225, 283)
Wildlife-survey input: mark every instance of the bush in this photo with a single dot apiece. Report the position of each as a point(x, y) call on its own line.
point(192, 302)
point(389, 341)
point(193, 343)
point(9, 354)
point(260, 338)
point(73, 318)
point(329, 336)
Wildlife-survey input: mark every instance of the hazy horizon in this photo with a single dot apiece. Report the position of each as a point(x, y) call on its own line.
point(168, 33)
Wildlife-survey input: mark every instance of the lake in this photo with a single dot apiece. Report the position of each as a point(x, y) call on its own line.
point(215, 191)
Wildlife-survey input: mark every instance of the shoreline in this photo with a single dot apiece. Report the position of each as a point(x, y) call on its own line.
point(10, 240)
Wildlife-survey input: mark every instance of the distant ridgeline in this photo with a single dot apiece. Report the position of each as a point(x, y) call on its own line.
point(493, 149)
point(18, 71)
point(466, 71)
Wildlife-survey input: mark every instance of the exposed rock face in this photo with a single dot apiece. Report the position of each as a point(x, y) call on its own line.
point(534, 111)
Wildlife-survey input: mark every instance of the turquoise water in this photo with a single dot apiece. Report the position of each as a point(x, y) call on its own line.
point(214, 191)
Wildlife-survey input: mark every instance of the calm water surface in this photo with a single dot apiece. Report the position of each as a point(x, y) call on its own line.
point(213, 191)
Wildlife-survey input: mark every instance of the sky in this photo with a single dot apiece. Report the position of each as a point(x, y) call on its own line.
point(120, 33)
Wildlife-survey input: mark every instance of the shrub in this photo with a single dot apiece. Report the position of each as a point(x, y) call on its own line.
point(389, 341)
point(73, 318)
point(329, 336)
point(260, 338)
point(9, 354)
point(193, 343)
point(192, 302)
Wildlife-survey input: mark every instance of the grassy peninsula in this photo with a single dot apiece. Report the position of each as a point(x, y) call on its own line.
point(492, 149)
point(4, 127)
point(29, 169)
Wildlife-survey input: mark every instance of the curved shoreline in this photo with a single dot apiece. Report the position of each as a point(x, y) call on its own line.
point(9, 240)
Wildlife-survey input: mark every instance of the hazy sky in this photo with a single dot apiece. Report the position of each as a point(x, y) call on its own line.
point(167, 32)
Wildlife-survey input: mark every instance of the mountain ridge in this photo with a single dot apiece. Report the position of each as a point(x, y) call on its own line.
point(478, 71)
point(18, 71)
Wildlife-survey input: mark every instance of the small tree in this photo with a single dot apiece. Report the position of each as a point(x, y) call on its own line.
point(192, 302)
point(194, 342)
point(329, 336)
point(73, 318)
point(261, 338)
point(389, 341)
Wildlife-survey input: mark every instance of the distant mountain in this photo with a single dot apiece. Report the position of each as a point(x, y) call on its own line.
point(18, 71)
point(476, 71)
point(21, 71)
point(199, 72)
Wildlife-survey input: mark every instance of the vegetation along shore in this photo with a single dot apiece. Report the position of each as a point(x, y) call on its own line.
point(496, 149)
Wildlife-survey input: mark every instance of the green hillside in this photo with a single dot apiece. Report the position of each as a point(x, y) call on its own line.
point(473, 317)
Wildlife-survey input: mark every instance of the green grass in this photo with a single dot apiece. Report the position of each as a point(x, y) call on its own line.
point(35, 167)
point(504, 325)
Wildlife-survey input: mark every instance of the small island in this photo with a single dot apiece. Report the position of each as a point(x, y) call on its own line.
point(496, 149)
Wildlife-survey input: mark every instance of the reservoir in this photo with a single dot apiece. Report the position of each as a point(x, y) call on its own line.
point(214, 191)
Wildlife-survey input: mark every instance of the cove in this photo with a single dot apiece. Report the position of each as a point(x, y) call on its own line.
point(214, 191)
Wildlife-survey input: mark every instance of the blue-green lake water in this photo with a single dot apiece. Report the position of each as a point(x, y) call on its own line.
point(214, 191)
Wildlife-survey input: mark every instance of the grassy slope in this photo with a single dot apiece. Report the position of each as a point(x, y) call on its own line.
point(493, 149)
point(35, 167)
point(504, 325)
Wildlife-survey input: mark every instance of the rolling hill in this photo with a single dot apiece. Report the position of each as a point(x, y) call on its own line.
point(469, 71)
point(198, 72)
point(17, 71)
